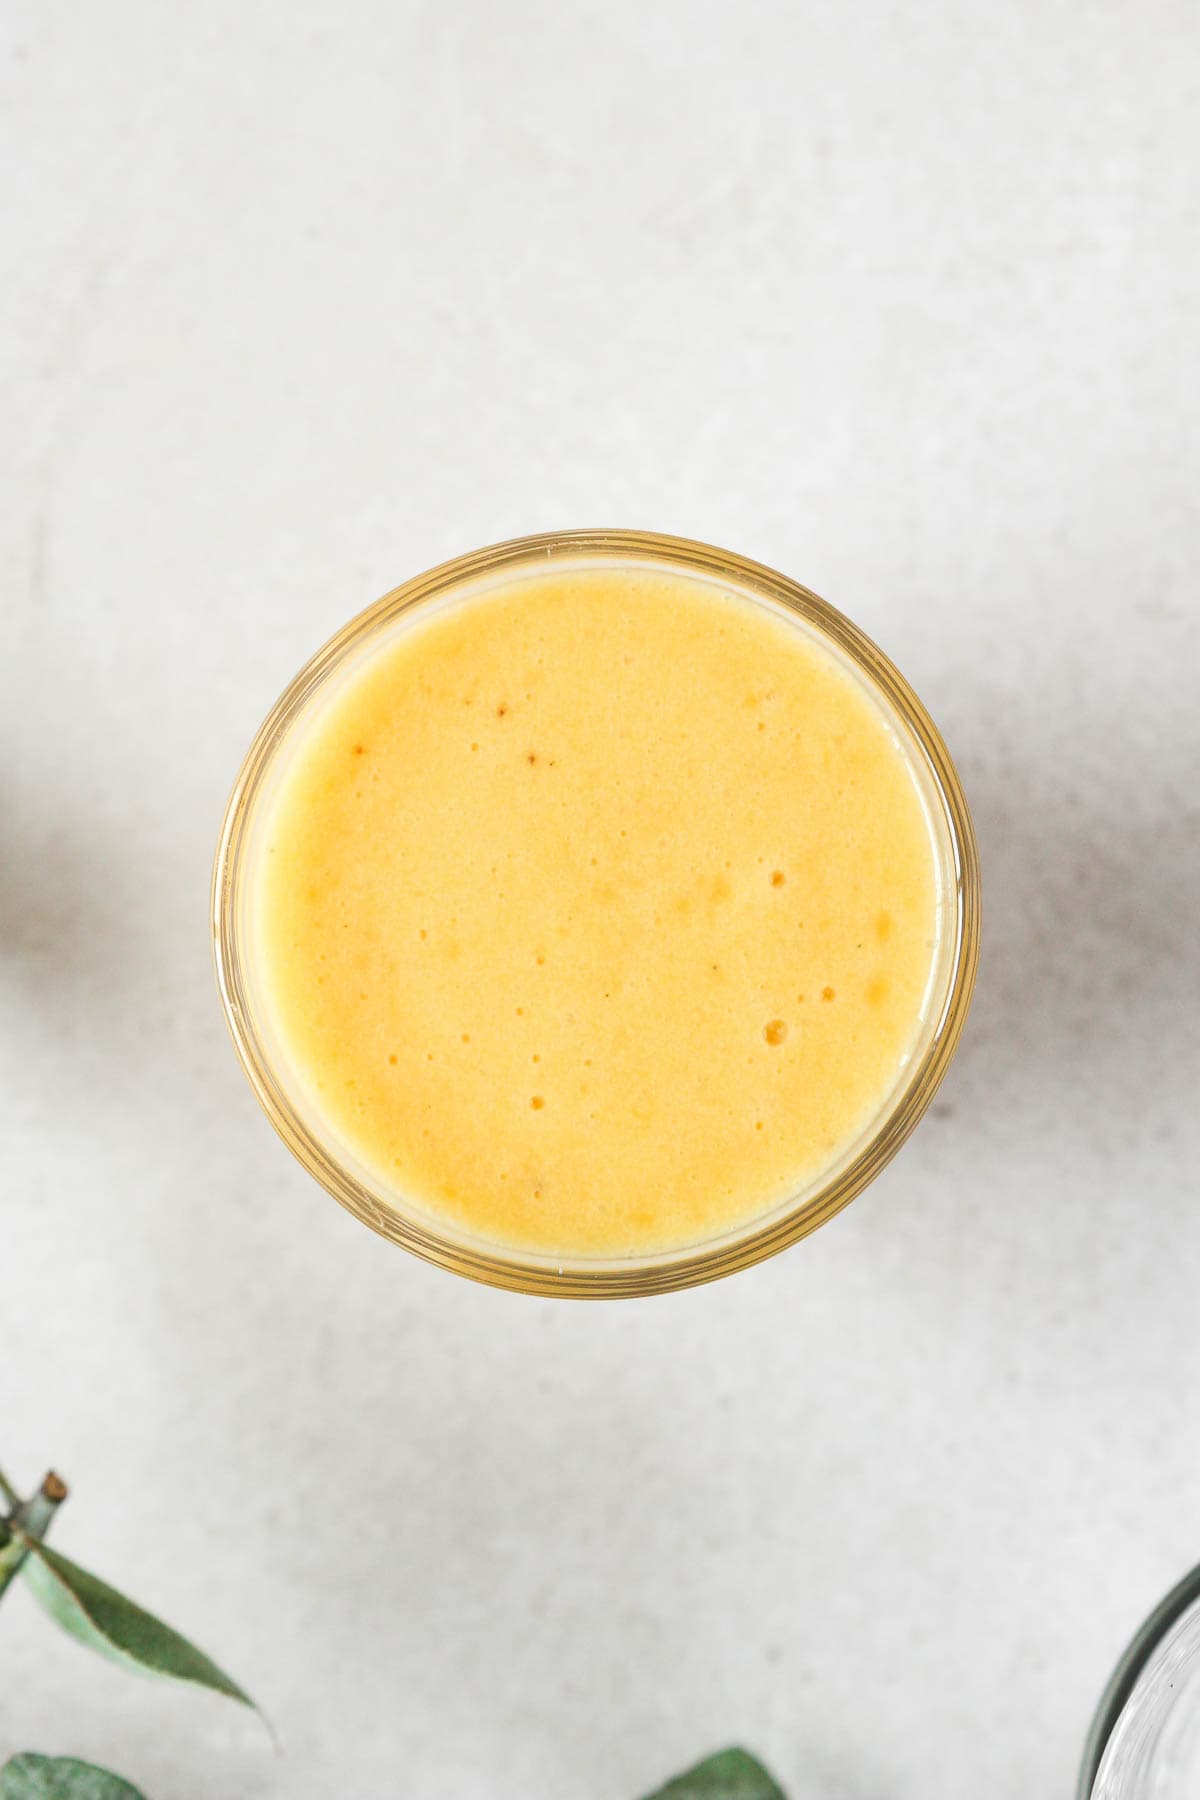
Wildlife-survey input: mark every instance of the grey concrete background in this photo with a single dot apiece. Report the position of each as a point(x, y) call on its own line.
point(299, 299)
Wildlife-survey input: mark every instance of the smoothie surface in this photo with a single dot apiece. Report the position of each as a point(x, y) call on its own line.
point(595, 913)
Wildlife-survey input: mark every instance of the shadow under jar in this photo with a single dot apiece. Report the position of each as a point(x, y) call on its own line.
point(597, 913)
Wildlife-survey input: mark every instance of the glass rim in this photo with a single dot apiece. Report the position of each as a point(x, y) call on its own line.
point(660, 1271)
point(1127, 1674)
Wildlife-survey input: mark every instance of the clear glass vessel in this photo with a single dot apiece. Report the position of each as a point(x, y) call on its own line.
point(393, 1214)
point(1145, 1739)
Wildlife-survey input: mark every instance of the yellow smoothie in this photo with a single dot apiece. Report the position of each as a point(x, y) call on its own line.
point(596, 912)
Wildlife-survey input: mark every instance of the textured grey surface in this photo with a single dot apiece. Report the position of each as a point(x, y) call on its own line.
point(300, 299)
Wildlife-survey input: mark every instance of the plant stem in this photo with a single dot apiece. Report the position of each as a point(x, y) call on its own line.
point(9, 1492)
point(11, 1558)
point(32, 1518)
point(35, 1516)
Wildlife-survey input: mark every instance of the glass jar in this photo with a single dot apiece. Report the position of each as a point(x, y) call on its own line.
point(948, 994)
point(1145, 1739)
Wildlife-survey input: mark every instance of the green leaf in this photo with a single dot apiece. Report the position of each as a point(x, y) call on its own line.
point(729, 1775)
point(32, 1777)
point(106, 1621)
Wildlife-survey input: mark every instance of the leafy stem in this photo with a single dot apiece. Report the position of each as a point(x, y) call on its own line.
point(90, 1611)
point(9, 1493)
point(27, 1523)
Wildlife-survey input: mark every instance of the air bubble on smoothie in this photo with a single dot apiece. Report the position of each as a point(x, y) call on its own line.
point(775, 1030)
point(829, 993)
point(778, 878)
point(537, 1103)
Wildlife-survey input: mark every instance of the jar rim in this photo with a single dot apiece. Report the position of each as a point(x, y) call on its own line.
point(757, 1238)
